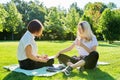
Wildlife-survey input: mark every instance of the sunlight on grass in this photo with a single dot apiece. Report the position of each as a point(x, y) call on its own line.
point(108, 53)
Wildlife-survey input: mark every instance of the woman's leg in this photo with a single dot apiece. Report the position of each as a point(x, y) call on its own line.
point(69, 68)
point(50, 62)
point(66, 59)
point(78, 64)
point(89, 63)
point(29, 64)
point(91, 60)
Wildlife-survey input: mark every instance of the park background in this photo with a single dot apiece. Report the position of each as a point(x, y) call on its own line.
point(59, 23)
point(60, 26)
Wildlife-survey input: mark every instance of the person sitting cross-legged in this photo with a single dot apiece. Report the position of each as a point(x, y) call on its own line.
point(86, 44)
point(27, 53)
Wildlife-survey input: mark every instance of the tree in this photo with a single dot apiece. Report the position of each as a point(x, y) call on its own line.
point(110, 25)
point(80, 11)
point(37, 11)
point(71, 20)
point(86, 18)
point(53, 25)
point(24, 9)
point(14, 18)
point(31, 10)
point(3, 15)
point(93, 11)
point(111, 5)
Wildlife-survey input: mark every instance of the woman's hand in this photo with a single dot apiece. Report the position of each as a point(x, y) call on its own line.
point(44, 56)
point(65, 50)
point(43, 59)
point(78, 42)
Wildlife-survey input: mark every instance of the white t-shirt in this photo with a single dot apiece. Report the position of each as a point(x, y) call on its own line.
point(90, 44)
point(27, 39)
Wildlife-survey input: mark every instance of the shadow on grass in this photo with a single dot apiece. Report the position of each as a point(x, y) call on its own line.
point(17, 76)
point(58, 41)
point(96, 74)
point(114, 44)
point(109, 45)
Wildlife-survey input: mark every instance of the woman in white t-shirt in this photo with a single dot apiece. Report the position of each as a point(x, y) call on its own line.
point(86, 44)
point(27, 48)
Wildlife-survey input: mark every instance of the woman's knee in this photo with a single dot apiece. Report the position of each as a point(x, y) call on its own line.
point(61, 56)
point(51, 61)
point(95, 53)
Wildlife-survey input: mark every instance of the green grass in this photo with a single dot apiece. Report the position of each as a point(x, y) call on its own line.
point(108, 53)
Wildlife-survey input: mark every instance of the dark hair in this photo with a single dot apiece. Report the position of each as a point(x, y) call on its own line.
point(35, 26)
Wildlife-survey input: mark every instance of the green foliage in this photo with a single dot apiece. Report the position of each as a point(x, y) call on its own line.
point(110, 25)
point(53, 24)
point(23, 8)
point(14, 18)
point(111, 5)
point(106, 17)
point(74, 5)
point(93, 11)
point(3, 15)
point(37, 11)
point(86, 18)
point(59, 23)
point(31, 10)
point(71, 20)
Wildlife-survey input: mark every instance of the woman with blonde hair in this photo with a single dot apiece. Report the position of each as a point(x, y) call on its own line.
point(86, 44)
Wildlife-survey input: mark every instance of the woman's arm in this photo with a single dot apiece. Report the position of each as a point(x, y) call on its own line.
point(87, 49)
point(29, 54)
point(79, 43)
point(66, 49)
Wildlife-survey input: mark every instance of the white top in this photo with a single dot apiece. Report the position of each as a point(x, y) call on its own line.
point(90, 44)
point(27, 39)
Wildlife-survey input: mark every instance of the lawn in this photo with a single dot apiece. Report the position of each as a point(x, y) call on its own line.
point(108, 53)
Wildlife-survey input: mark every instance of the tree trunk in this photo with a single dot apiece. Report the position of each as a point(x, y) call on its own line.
point(110, 42)
point(4, 37)
point(71, 36)
point(12, 36)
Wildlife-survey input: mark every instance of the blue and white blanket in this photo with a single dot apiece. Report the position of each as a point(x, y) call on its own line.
point(36, 72)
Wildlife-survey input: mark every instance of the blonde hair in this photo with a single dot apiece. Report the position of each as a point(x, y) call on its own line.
point(87, 32)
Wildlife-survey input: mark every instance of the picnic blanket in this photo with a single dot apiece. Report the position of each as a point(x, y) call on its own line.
point(41, 71)
point(36, 72)
point(102, 63)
